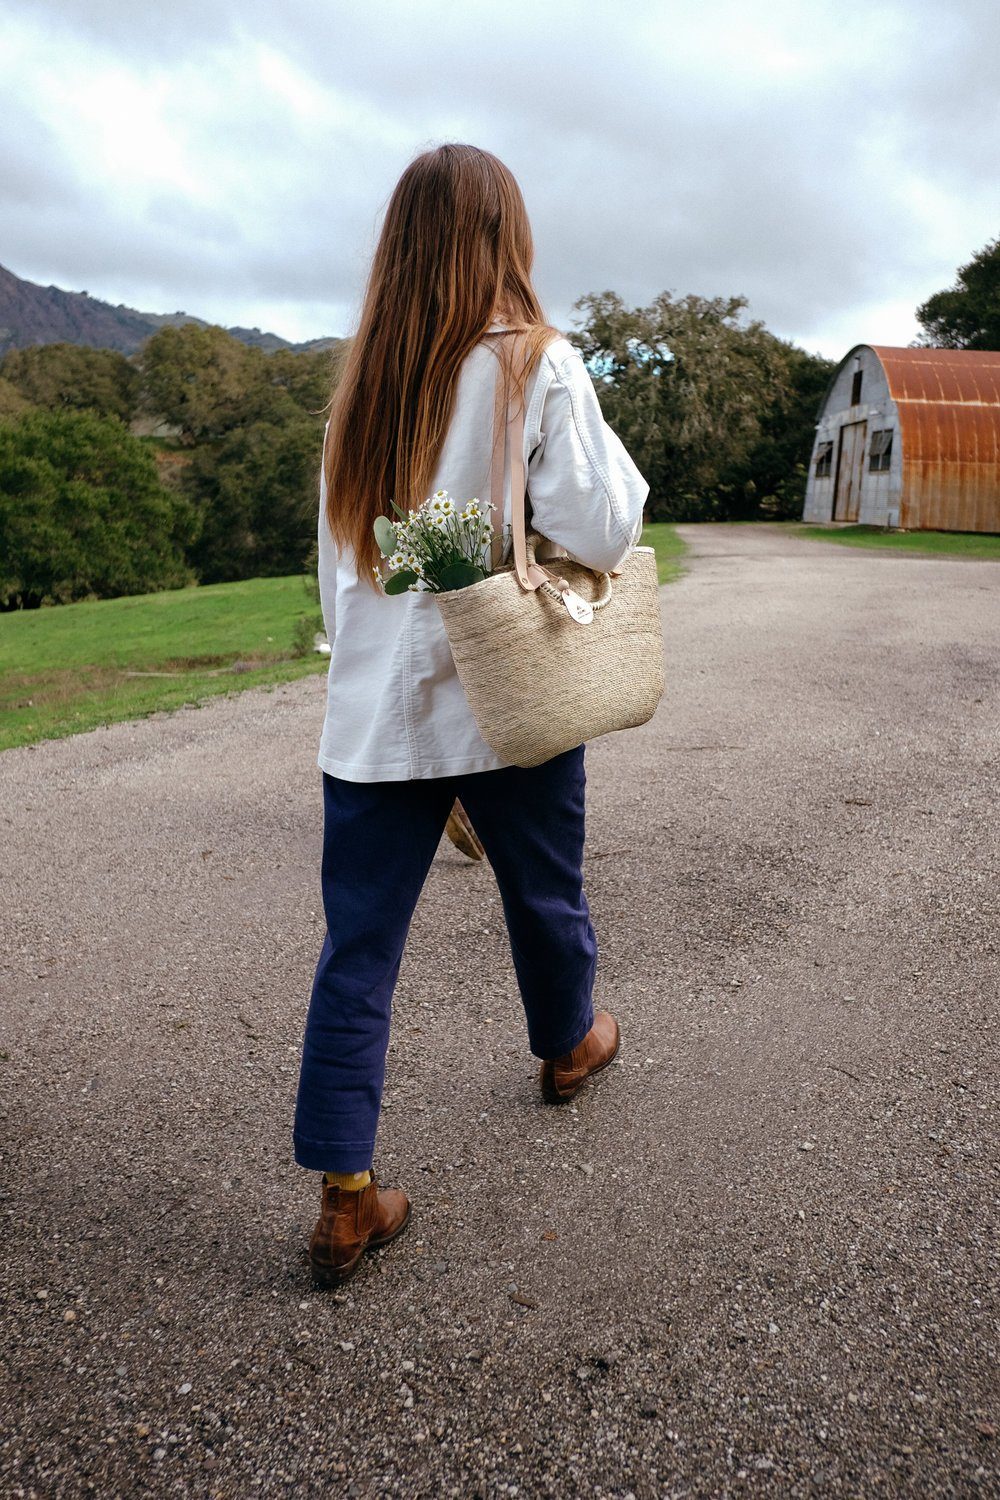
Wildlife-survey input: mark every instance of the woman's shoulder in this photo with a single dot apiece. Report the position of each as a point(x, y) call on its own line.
point(563, 359)
point(559, 364)
point(556, 353)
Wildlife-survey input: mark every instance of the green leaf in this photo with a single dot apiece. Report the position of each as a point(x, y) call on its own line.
point(398, 583)
point(385, 535)
point(459, 575)
point(401, 513)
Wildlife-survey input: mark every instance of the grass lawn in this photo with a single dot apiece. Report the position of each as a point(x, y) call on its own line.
point(74, 666)
point(669, 549)
point(941, 543)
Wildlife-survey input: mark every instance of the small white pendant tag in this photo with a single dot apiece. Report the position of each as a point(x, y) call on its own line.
point(578, 607)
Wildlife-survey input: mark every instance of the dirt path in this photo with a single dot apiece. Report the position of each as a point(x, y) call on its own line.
point(760, 1257)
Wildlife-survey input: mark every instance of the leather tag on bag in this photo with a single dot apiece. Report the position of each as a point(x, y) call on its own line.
point(579, 608)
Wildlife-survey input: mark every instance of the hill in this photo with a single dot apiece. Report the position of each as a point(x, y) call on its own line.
point(32, 314)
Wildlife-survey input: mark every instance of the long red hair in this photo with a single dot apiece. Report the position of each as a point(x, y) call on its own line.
point(454, 256)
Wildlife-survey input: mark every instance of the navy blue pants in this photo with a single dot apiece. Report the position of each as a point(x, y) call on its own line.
point(379, 839)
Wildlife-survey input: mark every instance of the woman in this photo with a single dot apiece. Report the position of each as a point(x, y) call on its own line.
point(448, 297)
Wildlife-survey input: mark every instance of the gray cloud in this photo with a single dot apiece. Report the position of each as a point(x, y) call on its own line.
point(834, 168)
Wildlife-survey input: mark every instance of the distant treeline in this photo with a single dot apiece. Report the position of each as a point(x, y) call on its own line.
point(223, 485)
point(223, 488)
point(718, 413)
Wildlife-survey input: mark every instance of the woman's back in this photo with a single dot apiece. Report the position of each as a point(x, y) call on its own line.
point(395, 706)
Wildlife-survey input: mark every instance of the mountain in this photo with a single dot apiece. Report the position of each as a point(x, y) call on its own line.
point(33, 314)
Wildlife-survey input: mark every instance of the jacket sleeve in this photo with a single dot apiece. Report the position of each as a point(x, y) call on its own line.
point(586, 493)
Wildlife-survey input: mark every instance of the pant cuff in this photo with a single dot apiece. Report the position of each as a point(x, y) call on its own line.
point(560, 1048)
point(335, 1156)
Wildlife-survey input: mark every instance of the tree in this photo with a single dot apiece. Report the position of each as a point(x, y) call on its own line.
point(707, 402)
point(12, 402)
point(307, 376)
point(69, 377)
point(967, 315)
point(199, 379)
point(770, 480)
point(256, 491)
point(83, 513)
point(254, 423)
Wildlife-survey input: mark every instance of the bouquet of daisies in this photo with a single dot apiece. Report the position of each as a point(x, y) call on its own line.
point(438, 547)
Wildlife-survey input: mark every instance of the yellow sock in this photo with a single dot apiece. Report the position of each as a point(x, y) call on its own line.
point(352, 1181)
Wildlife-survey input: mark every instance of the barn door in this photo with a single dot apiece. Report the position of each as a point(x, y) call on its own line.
point(850, 469)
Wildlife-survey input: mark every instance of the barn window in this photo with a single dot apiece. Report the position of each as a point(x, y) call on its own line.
point(880, 453)
point(856, 388)
point(824, 460)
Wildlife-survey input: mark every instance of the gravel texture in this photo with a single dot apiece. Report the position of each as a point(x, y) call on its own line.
point(760, 1256)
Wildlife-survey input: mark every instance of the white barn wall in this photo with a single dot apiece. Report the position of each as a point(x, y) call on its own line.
point(879, 496)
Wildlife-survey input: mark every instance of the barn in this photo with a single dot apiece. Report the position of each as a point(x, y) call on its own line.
point(909, 438)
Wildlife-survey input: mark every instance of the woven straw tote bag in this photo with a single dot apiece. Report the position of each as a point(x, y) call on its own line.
point(551, 655)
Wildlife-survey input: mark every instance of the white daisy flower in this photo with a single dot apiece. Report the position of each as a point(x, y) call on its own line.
point(397, 561)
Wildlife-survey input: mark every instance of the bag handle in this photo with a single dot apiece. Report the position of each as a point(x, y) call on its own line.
point(496, 469)
point(508, 436)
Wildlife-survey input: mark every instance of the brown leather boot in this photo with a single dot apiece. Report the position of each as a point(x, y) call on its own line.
point(563, 1077)
point(351, 1223)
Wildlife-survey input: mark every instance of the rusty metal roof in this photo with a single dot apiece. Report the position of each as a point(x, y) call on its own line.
point(949, 415)
point(963, 377)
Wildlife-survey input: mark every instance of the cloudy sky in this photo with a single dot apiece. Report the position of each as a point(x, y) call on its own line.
point(832, 162)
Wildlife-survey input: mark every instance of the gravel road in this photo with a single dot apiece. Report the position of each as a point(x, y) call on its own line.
point(760, 1256)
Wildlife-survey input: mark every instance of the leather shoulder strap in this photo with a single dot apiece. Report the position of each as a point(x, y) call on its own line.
point(508, 436)
point(497, 464)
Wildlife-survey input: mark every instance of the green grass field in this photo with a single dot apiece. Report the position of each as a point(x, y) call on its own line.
point(940, 543)
point(669, 549)
point(75, 666)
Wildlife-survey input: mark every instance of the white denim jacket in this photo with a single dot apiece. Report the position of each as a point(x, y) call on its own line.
point(396, 710)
